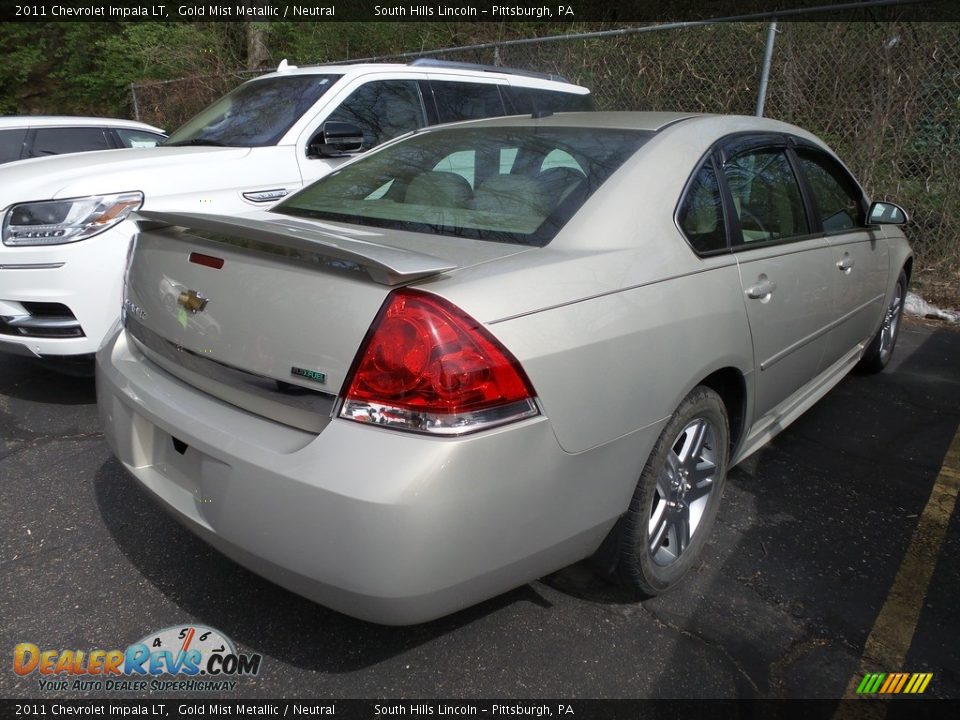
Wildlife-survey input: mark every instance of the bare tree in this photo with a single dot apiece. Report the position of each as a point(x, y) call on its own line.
point(257, 52)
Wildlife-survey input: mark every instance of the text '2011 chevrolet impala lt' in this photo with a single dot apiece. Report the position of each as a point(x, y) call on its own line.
point(488, 350)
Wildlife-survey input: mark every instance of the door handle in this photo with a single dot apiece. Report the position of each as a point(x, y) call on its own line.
point(846, 265)
point(761, 290)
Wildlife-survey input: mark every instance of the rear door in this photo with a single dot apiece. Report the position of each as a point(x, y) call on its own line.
point(859, 253)
point(786, 272)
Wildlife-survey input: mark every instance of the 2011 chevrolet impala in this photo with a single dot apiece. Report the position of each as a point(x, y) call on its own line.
point(491, 349)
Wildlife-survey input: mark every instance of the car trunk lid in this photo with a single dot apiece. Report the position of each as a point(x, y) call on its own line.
point(269, 314)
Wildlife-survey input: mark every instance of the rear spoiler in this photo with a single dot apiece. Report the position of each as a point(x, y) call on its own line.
point(385, 264)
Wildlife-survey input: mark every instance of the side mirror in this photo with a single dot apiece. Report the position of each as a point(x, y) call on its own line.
point(886, 213)
point(334, 139)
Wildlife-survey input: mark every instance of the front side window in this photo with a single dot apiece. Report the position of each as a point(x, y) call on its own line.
point(383, 110)
point(138, 138)
point(54, 141)
point(836, 195)
point(766, 196)
point(701, 212)
point(256, 114)
point(486, 183)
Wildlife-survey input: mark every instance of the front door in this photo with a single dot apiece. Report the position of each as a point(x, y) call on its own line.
point(860, 254)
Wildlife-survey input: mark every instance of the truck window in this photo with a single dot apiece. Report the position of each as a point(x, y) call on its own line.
point(383, 110)
point(466, 101)
point(53, 141)
point(11, 144)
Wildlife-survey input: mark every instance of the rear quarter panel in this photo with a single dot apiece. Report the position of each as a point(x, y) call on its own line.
point(611, 365)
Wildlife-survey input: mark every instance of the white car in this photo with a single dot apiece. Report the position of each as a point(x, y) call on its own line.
point(65, 232)
point(33, 136)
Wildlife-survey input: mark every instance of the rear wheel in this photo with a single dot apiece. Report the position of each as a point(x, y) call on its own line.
point(880, 349)
point(675, 503)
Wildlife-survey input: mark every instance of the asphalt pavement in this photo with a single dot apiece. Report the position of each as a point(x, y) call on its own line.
point(812, 536)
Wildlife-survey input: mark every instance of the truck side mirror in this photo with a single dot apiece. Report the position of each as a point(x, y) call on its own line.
point(335, 139)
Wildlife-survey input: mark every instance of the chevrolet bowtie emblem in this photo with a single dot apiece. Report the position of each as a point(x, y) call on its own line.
point(193, 301)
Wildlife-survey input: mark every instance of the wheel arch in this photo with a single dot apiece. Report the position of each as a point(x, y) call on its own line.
point(730, 384)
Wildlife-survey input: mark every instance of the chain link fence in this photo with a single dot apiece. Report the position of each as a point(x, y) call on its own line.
point(885, 96)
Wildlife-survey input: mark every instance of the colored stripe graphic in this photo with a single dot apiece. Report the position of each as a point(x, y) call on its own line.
point(894, 683)
point(903, 680)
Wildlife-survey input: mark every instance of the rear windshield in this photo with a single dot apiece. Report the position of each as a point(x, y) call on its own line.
point(507, 184)
point(255, 114)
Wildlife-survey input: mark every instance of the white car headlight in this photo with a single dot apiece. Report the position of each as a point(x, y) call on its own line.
point(53, 222)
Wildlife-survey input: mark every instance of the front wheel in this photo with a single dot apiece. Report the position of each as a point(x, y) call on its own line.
point(880, 349)
point(675, 503)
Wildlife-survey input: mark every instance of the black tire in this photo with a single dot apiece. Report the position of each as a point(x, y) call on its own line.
point(649, 566)
point(880, 350)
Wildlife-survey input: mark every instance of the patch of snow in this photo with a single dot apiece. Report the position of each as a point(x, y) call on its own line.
point(916, 305)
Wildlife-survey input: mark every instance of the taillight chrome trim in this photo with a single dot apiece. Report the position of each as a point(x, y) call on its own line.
point(446, 425)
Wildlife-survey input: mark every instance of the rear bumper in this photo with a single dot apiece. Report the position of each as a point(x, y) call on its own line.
point(386, 526)
point(86, 277)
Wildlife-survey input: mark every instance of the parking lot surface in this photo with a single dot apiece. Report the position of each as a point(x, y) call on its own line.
point(820, 551)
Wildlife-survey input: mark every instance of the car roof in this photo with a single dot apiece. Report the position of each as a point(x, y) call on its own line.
point(19, 121)
point(649, 121)
point(453, 70)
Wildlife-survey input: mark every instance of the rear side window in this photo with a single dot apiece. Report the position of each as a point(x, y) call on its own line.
point(466, 101)
point(701, 213)
point(138, 138)
point(526, 101)
point(11, 144)
point(837, 198)
point(383, 110)
point(53, 141)
point(766, 196)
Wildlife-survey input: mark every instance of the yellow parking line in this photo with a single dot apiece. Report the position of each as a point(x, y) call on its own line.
point(892, 633)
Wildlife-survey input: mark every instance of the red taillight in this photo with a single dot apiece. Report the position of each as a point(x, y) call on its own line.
point(426, 365)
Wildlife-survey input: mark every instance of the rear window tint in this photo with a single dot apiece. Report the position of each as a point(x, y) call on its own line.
point(508, 184)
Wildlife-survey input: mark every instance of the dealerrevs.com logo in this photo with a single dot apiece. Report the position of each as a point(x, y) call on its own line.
point(181, 658)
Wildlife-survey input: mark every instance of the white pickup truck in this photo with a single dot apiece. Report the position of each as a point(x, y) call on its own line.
point(65, 226)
